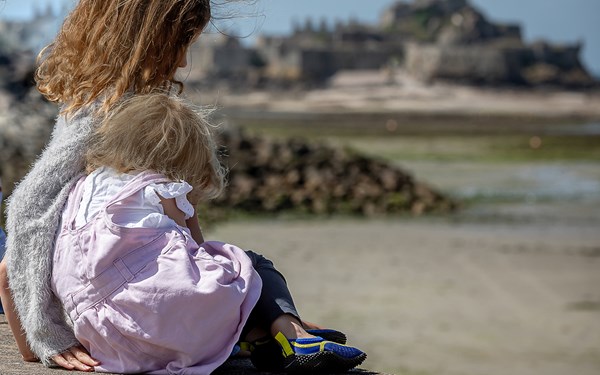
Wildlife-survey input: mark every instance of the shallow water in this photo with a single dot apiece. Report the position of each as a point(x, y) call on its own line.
point(590, 128)
point(557, 181)
point(556, 191)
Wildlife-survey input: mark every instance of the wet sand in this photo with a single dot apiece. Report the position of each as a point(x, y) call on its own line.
point(445, 296)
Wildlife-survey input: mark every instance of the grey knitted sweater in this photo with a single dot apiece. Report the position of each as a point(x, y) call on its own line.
point(33, 217)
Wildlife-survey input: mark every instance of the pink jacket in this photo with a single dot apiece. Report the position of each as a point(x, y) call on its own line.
point(147, 299)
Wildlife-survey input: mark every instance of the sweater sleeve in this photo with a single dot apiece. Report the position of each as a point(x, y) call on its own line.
point(33, 216)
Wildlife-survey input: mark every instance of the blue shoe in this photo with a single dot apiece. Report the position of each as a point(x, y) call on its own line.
point(265, 353)
point(318, 355)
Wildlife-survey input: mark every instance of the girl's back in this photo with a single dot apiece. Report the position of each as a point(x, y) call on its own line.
point(148, 298)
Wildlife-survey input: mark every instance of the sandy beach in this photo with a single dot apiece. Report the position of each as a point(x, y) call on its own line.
point(445, 296)
point(437, 296)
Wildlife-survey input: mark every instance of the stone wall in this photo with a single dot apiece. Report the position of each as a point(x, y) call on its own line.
point(498, 65)
point(471, 63)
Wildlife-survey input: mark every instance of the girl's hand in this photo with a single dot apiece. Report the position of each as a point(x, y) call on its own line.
point(76, 358)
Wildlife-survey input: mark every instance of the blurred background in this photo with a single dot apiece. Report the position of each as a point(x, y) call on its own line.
point(424, 172)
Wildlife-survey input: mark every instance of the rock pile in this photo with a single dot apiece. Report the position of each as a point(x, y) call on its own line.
point(272, 176)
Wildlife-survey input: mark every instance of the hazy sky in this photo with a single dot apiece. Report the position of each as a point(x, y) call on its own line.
point(553, 20)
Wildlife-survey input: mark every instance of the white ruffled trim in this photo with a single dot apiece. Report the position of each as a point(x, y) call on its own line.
point(170, 190)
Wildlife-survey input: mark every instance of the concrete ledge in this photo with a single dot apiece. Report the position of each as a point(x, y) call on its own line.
point(11, 363)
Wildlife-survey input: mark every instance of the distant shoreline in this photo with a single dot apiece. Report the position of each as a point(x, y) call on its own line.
point(456, 121)
point(528, 107)
point(367, 94)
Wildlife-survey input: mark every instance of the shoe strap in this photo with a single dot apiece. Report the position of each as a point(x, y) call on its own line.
point(246, 346)
point(285, 345)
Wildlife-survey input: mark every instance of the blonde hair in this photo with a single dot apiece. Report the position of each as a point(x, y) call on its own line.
point(162, 133)
point(106, 48)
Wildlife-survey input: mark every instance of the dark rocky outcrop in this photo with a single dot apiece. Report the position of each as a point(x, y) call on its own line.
point(296, 175)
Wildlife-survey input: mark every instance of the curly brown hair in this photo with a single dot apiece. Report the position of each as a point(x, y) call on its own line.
point(109, 47)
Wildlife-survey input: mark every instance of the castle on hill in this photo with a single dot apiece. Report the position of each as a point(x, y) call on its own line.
point(430, 39)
